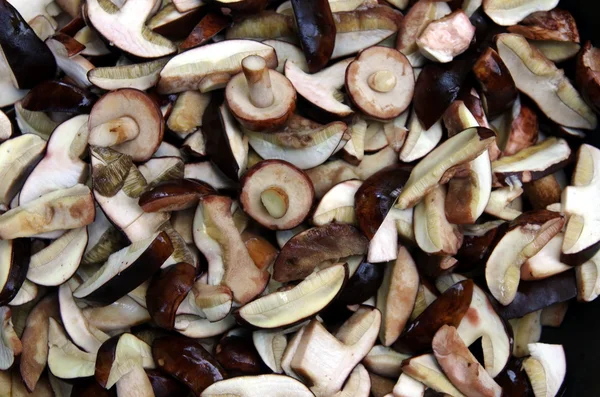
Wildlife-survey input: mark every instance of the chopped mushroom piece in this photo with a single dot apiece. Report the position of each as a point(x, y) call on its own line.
point(526, 330)
point(258, 386)
point(497, 85)
point(505, 203)
point(426, 370)
point(187, 112)
point(546, 368)
point(384, 361)
point(65, 360)
point(141, 76)
point(337, 205)
point(446, 38)
point(588, 74)
point(511, 12)
point(10, 344)
point(408, 387)
point(547, 262)
point(588, 279)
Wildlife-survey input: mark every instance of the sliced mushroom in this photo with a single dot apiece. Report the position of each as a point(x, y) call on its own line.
point(433, 42)
point(505, 203)
point(37, 123)
point(517, 129)
point(211, 301)
point(526, 330)
point(65, 360)
point(141, 76)
point(287, 52)
point(10, 344)
point(337, 205)
point(14, 264)
point(498, 87)
point(92, 42)
point(588, 282)
point(194, 326)
point(419, 141)
point(546, 368)
point(588, 79)
point(207, 28)
point(267, 24)
point(169, 22)
point(554, 315)
point(384, 361)
point(513, 12)
point(68, 59)
point(408, 387)
point(544, 192)
point(256, 386)
point(187, 113)
point(175, 195)
point(545, 263)
point(26, 294)
point(121, 314)
point(426, 370)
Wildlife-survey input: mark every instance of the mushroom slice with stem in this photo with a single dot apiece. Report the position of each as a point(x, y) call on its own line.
point(10, 344)
point(526, 330)
point(506, 13)
point(505, 203)
point(425, 369)
point(259, 98)
point(498, 90)
point(276, 194)
point(288, 307)
point(588, 77)
point(337, 205)
point(187, 113)
point(380, 82)
point(540, 79)
point(445, 38)
point(112, 22)
point(141, 76)
point(65, 360)
point(419, 141)
point(257, 386)
point(525, 237)
point(545, 263)
point(14, 264)
point(546, 368)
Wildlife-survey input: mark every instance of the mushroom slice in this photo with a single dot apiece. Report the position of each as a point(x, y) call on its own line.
point(506, 13)
point(316, 30)
point(505, 203)
point(168, 288)
point(337, 205)
point(119, 356)
point(588, 78)
point(539, 78)
point(271, 344)
point(330, 81)
point(74, 66)
point(526, 330)
point(129, 121)
point(546, 368)
point(6, 129)
point(94, 46)
point(433, 232)
point(141, 76)
point(554, 315)
point(28, 149)
point(211, 301)
point(545, 191)
point(497, 85)
point(121, 314)
point(287, 52)
point(61, 166)
point(256, 386)
point(346, 349)
point(426, 370)
point(408, 387)
point(426, 295)
point(525, 237)
point(357, 385)
point(276, 194)
point(207, 28)
point(433, 42)
point(305, 251)
point(103, 240)
point(384, 361)
point(56, 263)
point(545, 263)
point(588, 282)
point(126, 269)
point(37, 123)
point(10, 344)
point(187, 5)
point(187, 113)
point(419, 140)
point(533, 162)
point(461, 367)
point(27, 293)
point(58, 210)
point(438, 164)
point(288, 307)
point(65, 360)
point(517, 129)
point(266, 24)
point(186, 71)
point(380, 82)
point(14, 263)
point(194, 326)
point(174, 195)
point(125, 27)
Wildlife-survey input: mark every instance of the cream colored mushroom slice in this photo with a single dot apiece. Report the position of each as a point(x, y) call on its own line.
point(27, 293)
point(187, 5)
point(408, 387)
point(554, 315)
point(92, 42)
point(271, 344)
point(445, 38)
point(197, 327)
point(43, 28)
point(187, 70)
point(511, 12)
point(354, 150)
point(287, 52)
point(505, 203)
point(396, 131)
point(37, 123)
point(545, 263)
point(588, 279)
point(425, 369)
point(546, 368)
point(540, 79)
point(384, 361)
point(419, 142)
point(425, 296)
point(526, 330)
point(129, 354)
point(186, 116)
point(383, 247)
point(337, 205)
point(76, 67)
point(357, 385)
point(322, 89)
point(141, 76)
point(257, 386)
point(6, 129)
point(213, 302)
point(65, 360)
point(10, 344)
point(122, 314)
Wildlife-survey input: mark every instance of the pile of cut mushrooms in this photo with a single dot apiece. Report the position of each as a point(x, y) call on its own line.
point(328, 198)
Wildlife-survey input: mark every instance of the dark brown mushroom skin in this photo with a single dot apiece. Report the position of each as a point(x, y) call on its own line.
point(19, 265)
point(104, 360)
point(238, 356)
point(514, 380)
point(74, 26)
point(167, 290)
point(72, 46)
point(175, 195)
point(316, 31)
point(543, 192)
point(59, 96)
point(88, 387)
point(475, 250)
point(363, 284)
point(448, 309)
point(187, 361)
point(376, 196)
point(497, 85)
point(434, 266)
point(165, 386)
point(588, 78)
point(239, 7)
point(210, 25)
point(179, 28)
point(303, 252)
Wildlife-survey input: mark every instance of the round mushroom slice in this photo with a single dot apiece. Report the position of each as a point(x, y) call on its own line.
point(259, 98)
point(276, 194)
point(258, 386)
point(129, 121)
point(380, 82)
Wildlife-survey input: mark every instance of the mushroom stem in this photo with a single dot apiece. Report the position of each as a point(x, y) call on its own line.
point(382, 81)
point(114, 132)
point(259, 82)
point(275, 202)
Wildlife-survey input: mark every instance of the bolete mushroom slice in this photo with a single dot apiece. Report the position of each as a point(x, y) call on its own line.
point(435, 43)
point(506, 13)
point(194, 326)
point(380, 82)
point(337, 205)
point(175, 195)
point(121, 314)
point(141, 76)
point(498, 90)
point(65, 360)
point(316, 30)
point(287, 52)
point(74, 66)
point(211, 301)
point(237, 355)
point(419, 140)
point(588, 282)
point(384, 361)
point(10, 344)
point(358, 384)
point(125, 27)
point(187, 113)
point(27, 293)
point(187, 70)
point(532, 163)
point(266, 24)
point(59, 96)
point(187, 5)
point(461, 367)
point(545, 263)
point(37, 123)
point(526, 330)
point(93, 43)
point(207, 28)
point(306, 250)
point(256, 386)
point(545, 191)
point(167, 290)
point(525, 237)
point(504, 203)
point(288, 307)
point(329, 80)
point(425, 369)
point(276, 194)
point(588, 77)
point(58, 210)
point(547, 85)
point(408, 387)
point(554, 315)
point(517, 129)
point(169, 22)
point(546, 368)
point(6, 129)
point(437, 166)
point(129, 121)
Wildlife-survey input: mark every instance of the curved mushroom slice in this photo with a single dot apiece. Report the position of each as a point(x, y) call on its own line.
point(438, 166)
point(539, 78)
point(10, 344)
point(256, 386)
point(6, 129)
point(506, 13)
point(525, 237)
point(58, 210)
point(384, 361)
point(588, 79)
point(337, 205)
point(447, 37)
point(266, 24)
point(546, 368)
point(141, 76)
point(288, 307)
point(121, 314)
point(545, 263)
point(316, 30)
point(426, 370)
point(174, 195)
point(419, 141)
point(383, 246)
point(173, 24)
point(167, 289)
point(14, 263)
point(125, 27)
point(59, 96)
point(56, 263)
point(276, 194)
point(305, 251)
point(329, 82)
point(27, 293)
point(354, 149)
point(287, 52)
point(461, 367)
point(194, 326)
point(526, 330)
point(186, 71)
point(497, 85)
point(505, 203)
point(65, 360)
point(426, 295)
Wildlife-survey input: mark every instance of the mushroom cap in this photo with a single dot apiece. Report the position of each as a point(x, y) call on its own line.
point(129, 102)
point(380, 105)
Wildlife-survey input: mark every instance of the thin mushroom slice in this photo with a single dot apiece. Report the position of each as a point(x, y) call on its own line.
point(73, 65)
point(426, 370)
point(337, 205)
point(194, 326)
point(207, 28)
point(434, 44)
point(65, 360)
point(257, 386)
point(546, 368)
point(526, 330)
point(506, 13)
point(419, 141)
point(141, 76)
point(271, 344)
point(10, 344)
point(27, 293)
point(505, 203)
point(121, 314)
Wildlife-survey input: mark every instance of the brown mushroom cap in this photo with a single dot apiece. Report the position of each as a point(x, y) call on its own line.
point(381, 82)
point(276, 194)
point(135, 105)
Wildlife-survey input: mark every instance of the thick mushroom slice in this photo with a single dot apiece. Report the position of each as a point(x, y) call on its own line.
point(276, 194)
point(129, 121)
point(125, 27)
point(506, 13)
point(588, 77)
point(337, 205)
point(14, 262)
point(187, 113)
point(447, 37)
point(316, 30)
point(540, 79)
point(141, 76)
point(65, 360)
point(525, 237)
point(526, 330)
point(545, 263)
point(505, 203)
point(10, 344)
point(546, 368)
point(257, 386)
point(588, 282)
point(380, 82)
point(497, 85)
point(425, 369)
point(408, 387)
point(461, 367)
point(207, 28)
point(187, 70)
point(384, 361)
point(59, 210)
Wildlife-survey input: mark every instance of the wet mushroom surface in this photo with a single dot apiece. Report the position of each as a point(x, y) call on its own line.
point(270, 198)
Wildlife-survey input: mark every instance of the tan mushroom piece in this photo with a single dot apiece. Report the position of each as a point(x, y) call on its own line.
point(10, 344)
point(380, 82)
point(128, 121)
point(260, 98)
point(511, 12)
point(446, 38)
